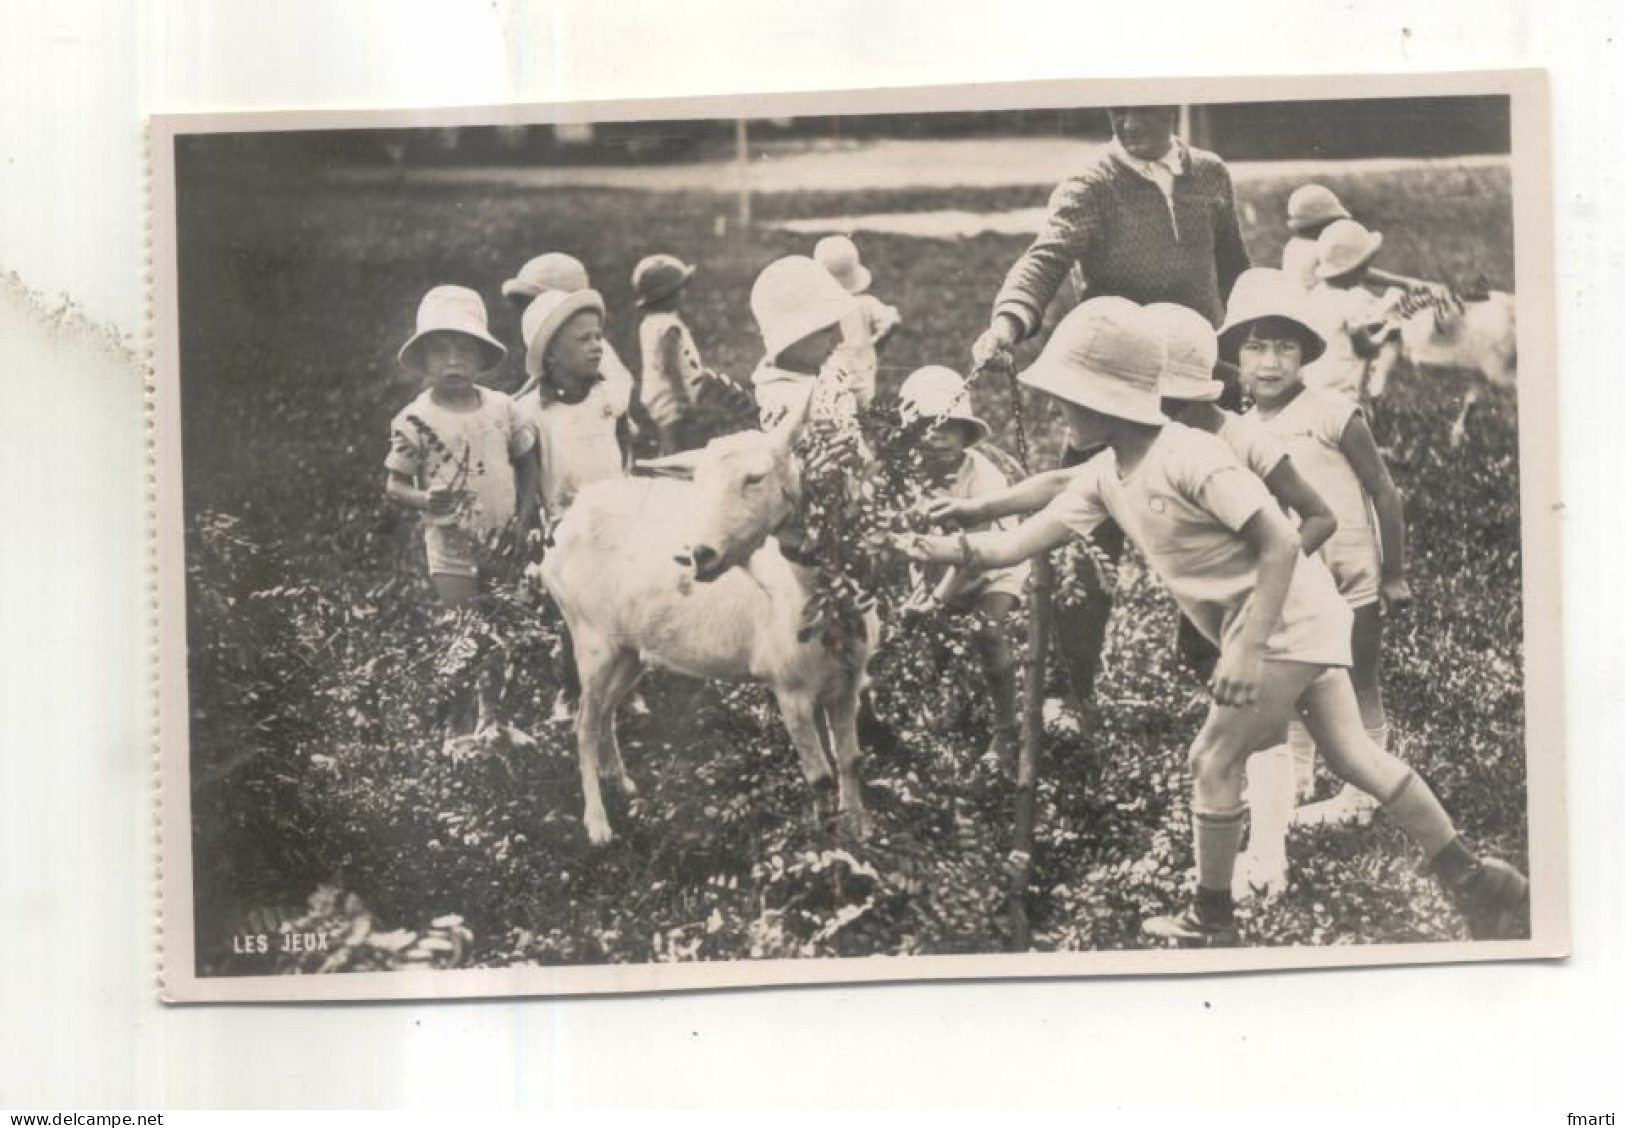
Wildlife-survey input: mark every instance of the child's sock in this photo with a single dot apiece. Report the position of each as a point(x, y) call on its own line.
point(1271, 796)
point(1218, 841)
point(1419, 813)
point(1302, 746)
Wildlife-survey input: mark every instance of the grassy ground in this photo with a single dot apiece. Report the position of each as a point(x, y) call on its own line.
point(317, 667)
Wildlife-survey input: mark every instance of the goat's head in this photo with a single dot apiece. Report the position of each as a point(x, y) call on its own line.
point(745, 486)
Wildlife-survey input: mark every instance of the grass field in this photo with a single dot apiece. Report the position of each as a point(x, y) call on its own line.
point(316, 667)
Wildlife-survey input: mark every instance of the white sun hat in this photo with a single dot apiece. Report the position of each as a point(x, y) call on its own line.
point(1345, 247)
point(545, 316)
point(453, 309)
point(1105, 355)
point(1262, 293)
point(552, 271)
point(937, 392)
point(839, 255)
point(1313, 205)
point(1191, 349)
point(793, 297)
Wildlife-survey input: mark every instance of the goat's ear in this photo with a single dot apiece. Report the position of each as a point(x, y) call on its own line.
point(790, 427)
point(679, 465)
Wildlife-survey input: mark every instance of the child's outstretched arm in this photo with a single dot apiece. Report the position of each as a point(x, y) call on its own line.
point(1316, 522)
point(1027, 496)
point(1360, 448)
point(997, 548)
point(1241, 663)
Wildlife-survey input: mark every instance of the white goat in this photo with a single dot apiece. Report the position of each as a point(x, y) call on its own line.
point(685, 575)
point(1475, 335)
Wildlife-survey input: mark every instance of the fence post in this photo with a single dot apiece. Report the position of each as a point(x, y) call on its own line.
point(742, 170)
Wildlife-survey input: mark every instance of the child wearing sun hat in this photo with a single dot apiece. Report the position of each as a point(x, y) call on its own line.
point(1190, 395)
point(1232, 561)
point(935, 406)
point(557, 271)
point(461, 455)
point(870, 322)
point(1270, 333)
point(673, 372)
point(576, 411)
point(458, 453)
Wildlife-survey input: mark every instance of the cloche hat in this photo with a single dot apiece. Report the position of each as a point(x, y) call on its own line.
point(793, 297)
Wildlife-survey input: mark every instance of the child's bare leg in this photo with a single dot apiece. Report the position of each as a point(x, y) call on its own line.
point(1217, 760)
point(999, 660)
point(1366, 672)
point(1355, 805)
point(456, 590)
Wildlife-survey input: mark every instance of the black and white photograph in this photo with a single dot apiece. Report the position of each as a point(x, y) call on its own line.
point(1034, 530)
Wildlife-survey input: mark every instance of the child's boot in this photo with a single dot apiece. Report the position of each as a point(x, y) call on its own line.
point(1492, 895)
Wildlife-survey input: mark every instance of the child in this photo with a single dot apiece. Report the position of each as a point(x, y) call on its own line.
point(1232, 561)
point(460, 454)
point(799, 308)
point(1190, 396)
point(577, 412)
point(1311, 211)
point(934, 405)
point(1270, 336)
point(865, 329)
point(672, 372)
point(1353, 322)
point(565, 273)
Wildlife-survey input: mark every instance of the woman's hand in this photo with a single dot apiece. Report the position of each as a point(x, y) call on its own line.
point(1238, 675)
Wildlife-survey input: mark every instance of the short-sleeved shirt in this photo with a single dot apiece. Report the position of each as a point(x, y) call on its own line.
point(1253, 446)
point(1183, 507)
point(1336, 315)
point(669, 376)
point(470, 451)
point(579, 441)
point(1311, 427)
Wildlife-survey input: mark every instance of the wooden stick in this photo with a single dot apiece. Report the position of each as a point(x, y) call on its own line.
point(1027, 763)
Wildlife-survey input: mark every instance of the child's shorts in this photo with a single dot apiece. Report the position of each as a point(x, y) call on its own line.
point(450, 550)
point(1355, 566)
point(1002, 581)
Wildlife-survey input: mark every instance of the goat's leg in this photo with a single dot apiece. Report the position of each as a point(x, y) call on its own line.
point(1458, 429)
point(625, 669)
point(595, 665)
point(799, 710)
point(843, 731)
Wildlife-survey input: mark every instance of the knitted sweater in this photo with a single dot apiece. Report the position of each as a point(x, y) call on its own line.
point(1129, 240)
